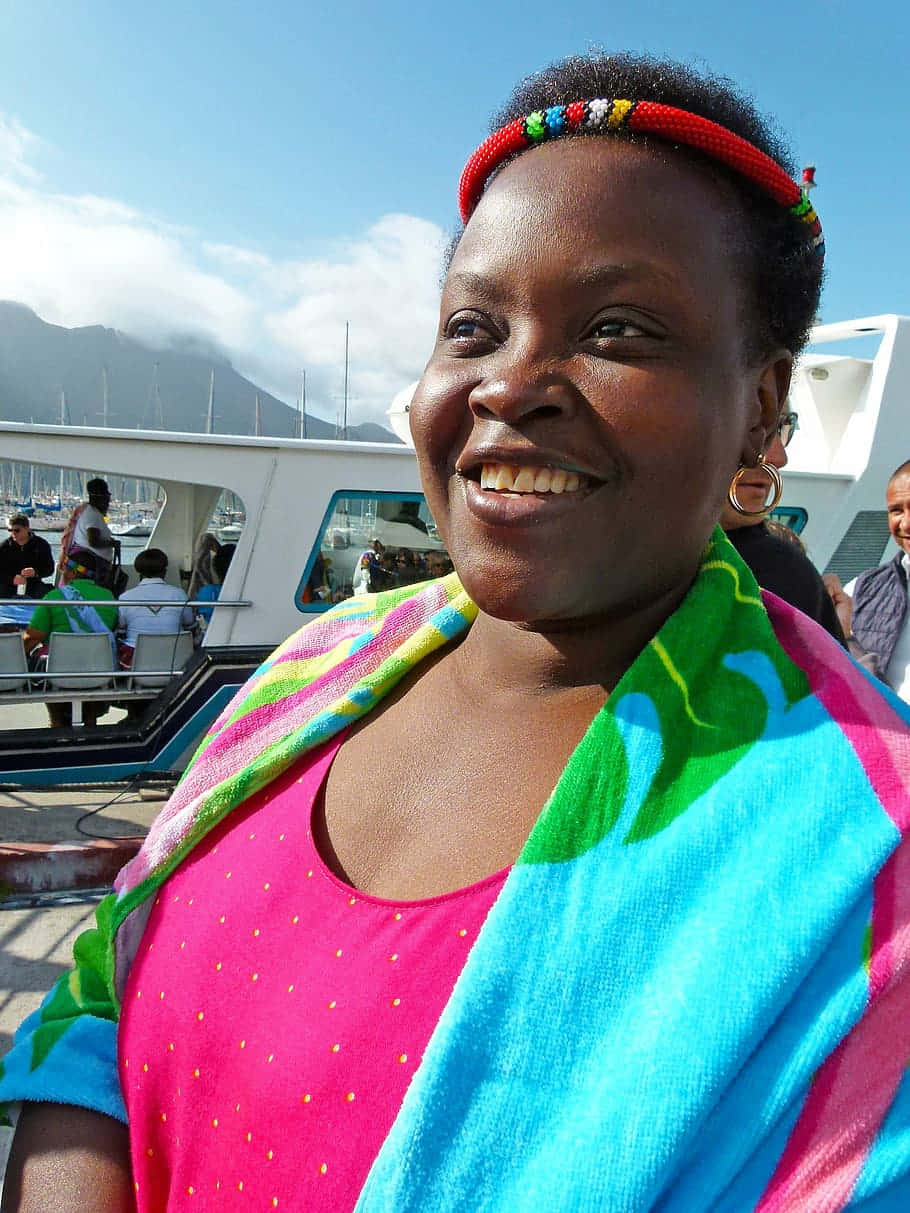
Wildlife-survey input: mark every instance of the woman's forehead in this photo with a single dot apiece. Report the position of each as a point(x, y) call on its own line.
point(596, 208)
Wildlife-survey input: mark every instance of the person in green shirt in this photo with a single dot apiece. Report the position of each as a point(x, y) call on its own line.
point(49, 617)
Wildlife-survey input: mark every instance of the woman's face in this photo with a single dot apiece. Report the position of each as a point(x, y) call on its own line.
point(589, 397)
point(753, 489)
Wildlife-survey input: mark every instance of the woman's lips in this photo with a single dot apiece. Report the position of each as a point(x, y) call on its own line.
point(506, 507)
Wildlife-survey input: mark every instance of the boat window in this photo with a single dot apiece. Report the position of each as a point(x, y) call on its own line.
point(793, 516)
point(370, 542)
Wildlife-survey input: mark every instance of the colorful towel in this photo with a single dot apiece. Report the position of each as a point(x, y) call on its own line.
point(692, 993)
point(66, 539)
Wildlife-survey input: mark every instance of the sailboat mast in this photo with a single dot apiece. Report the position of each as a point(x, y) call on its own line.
point(344, 424)
point(64, 419)
point(303, 406)
point(210, 415)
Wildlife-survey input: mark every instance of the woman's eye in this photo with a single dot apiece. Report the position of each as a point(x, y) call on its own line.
point(616, 328)
point(464, 328)
point(471, 331)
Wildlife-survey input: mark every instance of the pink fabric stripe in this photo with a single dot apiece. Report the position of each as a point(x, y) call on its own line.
point(877, 733)
point(265, 722)
point(857, 1084)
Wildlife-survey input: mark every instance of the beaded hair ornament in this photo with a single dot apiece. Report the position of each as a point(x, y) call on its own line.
point(602, 116)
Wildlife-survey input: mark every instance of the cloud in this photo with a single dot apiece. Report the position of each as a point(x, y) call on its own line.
point(80, 260)
point(17, 143)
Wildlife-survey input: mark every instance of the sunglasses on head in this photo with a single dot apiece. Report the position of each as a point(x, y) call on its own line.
point(787, 427)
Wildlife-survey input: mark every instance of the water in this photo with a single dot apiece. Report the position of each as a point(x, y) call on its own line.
point(129, 545)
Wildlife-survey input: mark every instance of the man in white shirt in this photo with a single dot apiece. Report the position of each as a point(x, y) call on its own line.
point(91, 531)
point(134, 617)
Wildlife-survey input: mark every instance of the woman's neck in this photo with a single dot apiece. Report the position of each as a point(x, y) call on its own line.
point(542, 658)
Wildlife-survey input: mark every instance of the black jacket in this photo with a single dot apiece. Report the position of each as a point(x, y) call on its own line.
point(36, 554)
point(785, 570)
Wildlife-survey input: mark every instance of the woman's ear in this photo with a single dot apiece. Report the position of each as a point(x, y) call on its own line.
point(772, 384)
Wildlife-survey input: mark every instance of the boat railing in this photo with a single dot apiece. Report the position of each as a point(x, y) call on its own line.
point(117, 690)
point(68, 604)
point(33, 686)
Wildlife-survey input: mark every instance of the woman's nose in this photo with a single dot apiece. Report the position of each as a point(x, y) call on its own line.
point(775, 452)
point(522, 387)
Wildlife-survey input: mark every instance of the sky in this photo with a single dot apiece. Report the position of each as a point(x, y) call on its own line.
point(257, 175)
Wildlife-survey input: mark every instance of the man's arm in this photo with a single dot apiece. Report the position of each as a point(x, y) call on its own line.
point(97, 539)
point(68, 1160)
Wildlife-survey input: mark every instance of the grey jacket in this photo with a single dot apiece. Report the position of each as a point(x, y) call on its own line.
point(880, 609)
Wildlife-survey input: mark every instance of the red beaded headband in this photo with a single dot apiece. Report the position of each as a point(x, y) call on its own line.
point(665, 121)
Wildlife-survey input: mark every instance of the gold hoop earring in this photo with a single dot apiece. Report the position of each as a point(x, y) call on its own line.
point(777, 485)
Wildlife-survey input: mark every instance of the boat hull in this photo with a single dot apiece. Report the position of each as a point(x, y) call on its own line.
point(163, 740)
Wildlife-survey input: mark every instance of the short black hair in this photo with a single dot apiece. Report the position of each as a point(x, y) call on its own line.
point(97, 486)
point(151, 562)
point(781, 271)
point(221, 561)
point(18, 520)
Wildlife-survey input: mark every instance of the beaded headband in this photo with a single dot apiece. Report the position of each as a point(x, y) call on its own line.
point(603, 116)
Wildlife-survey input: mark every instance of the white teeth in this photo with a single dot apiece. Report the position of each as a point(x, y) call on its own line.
point(506, 478)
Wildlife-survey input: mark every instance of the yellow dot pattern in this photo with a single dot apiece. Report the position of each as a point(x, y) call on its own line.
point(221, 1066)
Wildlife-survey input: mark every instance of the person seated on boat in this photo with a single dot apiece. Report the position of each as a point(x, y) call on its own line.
point(87, 531)
point(135, 618)
point(873, 606)
point(576, 879)
point(75, 584)
point(320, 586)
point(777, 564)
point(25, 559)
point(438, 564)
point(367, 569)
point(207, 547)
point(407, 570)
point(221, 562)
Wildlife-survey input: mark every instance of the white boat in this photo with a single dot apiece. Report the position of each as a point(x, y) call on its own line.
point(132, 530)
point(297, 552)
point(313, 507)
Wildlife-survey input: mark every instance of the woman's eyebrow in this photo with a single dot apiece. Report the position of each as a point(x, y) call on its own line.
point(615, 274)
point(591, 277)
point(477, 284)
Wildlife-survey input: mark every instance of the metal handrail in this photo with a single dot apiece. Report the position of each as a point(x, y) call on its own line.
point(45, 676)
point(107, 602)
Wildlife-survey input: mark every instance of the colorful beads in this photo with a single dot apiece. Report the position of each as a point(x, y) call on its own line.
point(604, 115)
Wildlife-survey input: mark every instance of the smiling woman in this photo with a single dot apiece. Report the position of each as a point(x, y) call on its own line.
point(573, 879)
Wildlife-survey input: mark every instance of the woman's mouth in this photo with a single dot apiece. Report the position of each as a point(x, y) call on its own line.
point(508, 478)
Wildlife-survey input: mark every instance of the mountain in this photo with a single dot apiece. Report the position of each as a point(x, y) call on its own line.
point(38, 360)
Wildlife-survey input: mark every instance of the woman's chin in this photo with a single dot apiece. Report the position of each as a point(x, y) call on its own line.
point(518, 595)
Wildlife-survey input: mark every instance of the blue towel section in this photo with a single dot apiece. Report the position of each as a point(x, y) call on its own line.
point(84, 1072)
point(635, 1066)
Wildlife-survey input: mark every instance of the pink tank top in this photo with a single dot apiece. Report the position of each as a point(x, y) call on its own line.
point(274, 1016)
